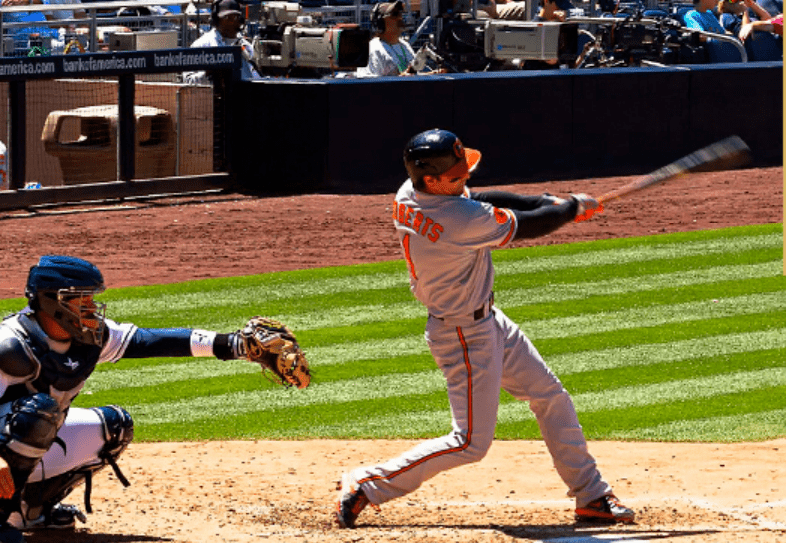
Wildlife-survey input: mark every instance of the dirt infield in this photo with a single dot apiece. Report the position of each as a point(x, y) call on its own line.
point(284, 491)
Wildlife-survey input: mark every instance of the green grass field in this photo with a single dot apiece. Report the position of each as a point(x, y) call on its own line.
point(673, 337)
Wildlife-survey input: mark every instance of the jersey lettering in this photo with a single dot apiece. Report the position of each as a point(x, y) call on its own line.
point(420, 223)
point(408, 256)
point(435, 232)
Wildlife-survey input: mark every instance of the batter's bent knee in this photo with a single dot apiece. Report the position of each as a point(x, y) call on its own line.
point(473, 449)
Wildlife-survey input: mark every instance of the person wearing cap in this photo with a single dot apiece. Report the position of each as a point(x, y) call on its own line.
point(226, 21)
point(388, 53)
point(447, 232)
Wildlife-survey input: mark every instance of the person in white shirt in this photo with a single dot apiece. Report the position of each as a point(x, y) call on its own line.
point(388, 53)
point(226, 20)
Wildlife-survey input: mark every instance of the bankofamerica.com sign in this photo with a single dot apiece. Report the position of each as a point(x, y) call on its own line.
point(120, 63)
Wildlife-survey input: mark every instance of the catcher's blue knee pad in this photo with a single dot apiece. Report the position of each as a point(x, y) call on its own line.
point(31, 427)
point(118, 429)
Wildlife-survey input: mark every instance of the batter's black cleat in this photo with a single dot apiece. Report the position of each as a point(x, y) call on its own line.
point(9, 534)
point(606, 509)
point(351, 501)
point(60, 517)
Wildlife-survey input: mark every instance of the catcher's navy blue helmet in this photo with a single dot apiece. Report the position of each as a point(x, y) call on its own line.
point(56, 284)
point(435, 151)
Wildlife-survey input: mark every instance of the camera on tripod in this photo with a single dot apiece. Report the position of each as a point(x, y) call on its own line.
point(285, 42)
point(469, 44)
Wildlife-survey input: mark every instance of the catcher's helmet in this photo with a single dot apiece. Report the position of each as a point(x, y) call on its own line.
point(56, 286)
point(435, 151)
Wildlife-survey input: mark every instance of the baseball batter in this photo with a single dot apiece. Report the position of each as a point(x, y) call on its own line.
point(446, 233)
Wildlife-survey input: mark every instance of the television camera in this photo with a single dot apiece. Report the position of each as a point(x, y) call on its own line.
point(287, 43)
point(473, 45)
point(462, 42)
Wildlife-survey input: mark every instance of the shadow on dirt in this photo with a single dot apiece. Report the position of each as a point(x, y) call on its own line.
point(83, 536)
point(561, 533)
point(589, 533)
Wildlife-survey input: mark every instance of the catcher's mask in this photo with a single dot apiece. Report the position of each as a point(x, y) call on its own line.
point(63, 287)
point(438, 153)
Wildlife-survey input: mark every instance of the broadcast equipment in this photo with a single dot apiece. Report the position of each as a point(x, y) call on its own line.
point(288, 43)
point(526, 40)
point(491, 44)
point(465, 44)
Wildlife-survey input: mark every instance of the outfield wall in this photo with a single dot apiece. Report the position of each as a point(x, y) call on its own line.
point(347, 135)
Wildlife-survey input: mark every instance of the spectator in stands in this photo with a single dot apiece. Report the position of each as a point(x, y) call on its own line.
point(28, 36)
point(730, 15)
point(388, 53)
point(765, 22)
point(701, 17)
point(226, 22)
point(550, 11)
point(55, 15)
point(773, 7)
point(516, 10)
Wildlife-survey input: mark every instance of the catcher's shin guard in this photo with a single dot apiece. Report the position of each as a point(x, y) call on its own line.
point(29, 430)
point(40, 497)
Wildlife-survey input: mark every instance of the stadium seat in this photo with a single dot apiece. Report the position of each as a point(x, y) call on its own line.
point(721, 52)
point(679, 15)
point(764, 47)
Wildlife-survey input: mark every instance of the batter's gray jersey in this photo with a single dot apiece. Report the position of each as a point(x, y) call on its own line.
point(447, 245)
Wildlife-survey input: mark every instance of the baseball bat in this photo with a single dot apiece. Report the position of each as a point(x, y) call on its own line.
point(728, 153)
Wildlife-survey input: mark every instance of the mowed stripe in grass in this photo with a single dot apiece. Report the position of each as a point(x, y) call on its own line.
point(639, 343)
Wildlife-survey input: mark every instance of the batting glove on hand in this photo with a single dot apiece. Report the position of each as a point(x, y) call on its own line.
point(587, 206)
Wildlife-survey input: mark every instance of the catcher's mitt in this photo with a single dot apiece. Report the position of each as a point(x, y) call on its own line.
point(274, 347)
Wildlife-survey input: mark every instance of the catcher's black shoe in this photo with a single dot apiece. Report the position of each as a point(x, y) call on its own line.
point(351, 501)
point(606, 509)
point(60, 517)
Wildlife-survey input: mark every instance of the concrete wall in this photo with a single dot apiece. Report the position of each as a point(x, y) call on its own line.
point(347, 135)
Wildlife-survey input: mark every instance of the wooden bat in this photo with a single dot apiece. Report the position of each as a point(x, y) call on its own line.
point(728, 153)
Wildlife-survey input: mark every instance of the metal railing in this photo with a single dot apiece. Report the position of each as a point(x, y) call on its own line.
point(96, 15)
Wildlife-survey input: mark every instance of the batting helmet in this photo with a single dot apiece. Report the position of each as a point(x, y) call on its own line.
point(56, 286)
point(434, 152)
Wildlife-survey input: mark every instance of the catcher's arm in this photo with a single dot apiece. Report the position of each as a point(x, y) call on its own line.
point(264, 341)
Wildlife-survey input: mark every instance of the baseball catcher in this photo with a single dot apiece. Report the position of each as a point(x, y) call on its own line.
point(48, 351)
